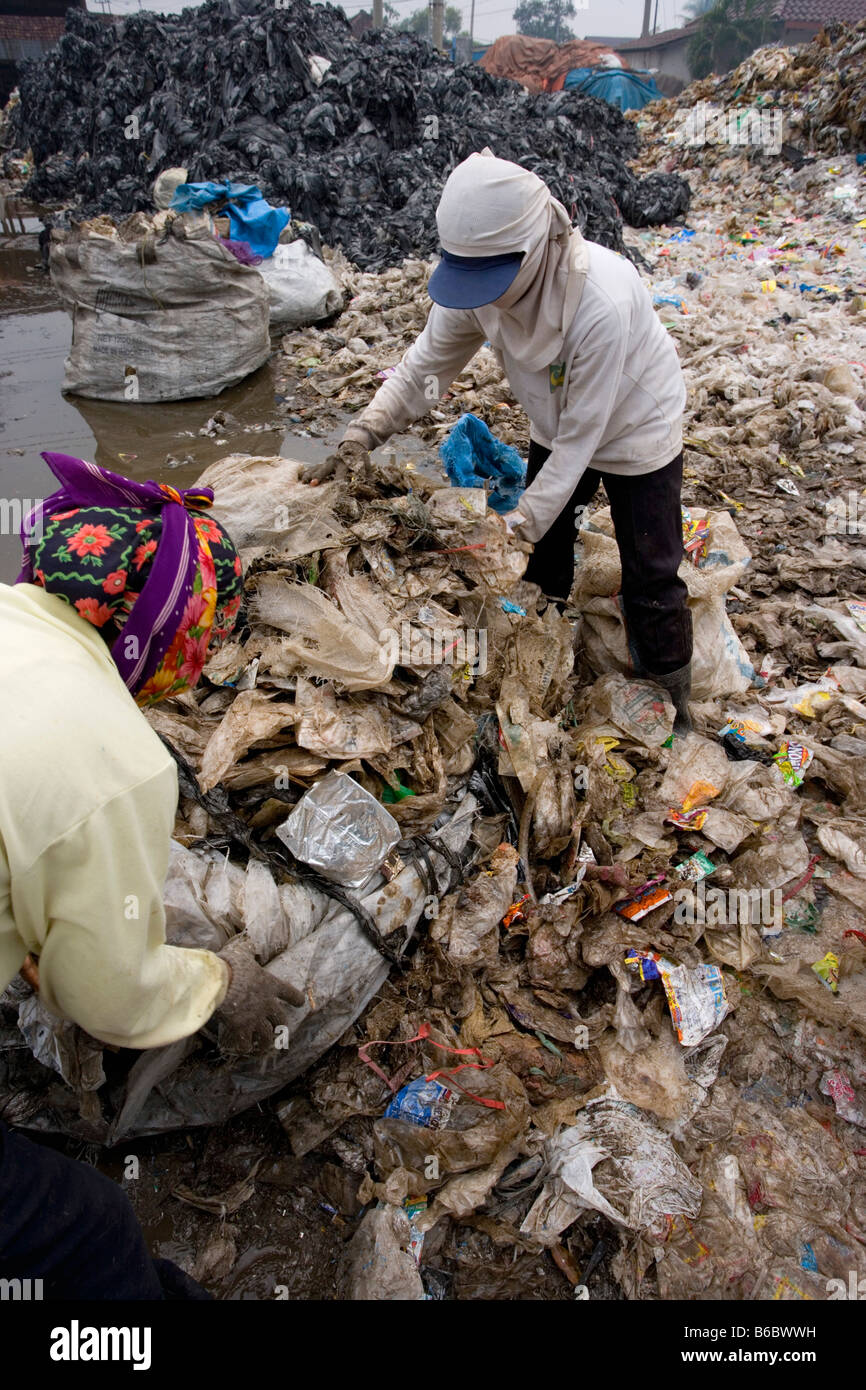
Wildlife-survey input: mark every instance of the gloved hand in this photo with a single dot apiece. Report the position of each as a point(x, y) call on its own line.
point(254, 1004)
point(350, 456)
point(513, 521)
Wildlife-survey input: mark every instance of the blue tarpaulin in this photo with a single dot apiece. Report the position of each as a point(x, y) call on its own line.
point(473, 456)
point(251, 217)
point(630, 91)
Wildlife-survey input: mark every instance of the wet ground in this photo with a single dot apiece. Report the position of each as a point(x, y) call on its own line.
point(171, 441)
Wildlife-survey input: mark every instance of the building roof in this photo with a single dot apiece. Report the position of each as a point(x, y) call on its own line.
point(32, 27)
point(819, 11)
point(40, 8)
point(665, 36)
point(361, 22)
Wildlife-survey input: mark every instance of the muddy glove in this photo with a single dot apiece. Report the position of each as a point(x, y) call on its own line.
point(255, 1003)
point(513, 521)
point(350, 456)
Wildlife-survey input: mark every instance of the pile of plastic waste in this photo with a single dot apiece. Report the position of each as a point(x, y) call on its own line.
point(808, 97)
point(571, 986)
point(583, 1002)
point(356, 136)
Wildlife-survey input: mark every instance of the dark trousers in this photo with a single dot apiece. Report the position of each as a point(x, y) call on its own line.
point(648, 525)
point(64, 1223)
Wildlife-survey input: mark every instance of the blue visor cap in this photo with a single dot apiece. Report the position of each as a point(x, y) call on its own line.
point(467, 282)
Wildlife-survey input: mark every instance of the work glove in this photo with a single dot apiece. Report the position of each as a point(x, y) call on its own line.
point(513, 521)
point(255, 1003)
point(348, 457)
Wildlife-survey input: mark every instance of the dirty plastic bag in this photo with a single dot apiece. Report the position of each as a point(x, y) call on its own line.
point(614, 1160)
point(161, 319)
point(469, 1136)
point(341, 830)
point(301, 288)
point(61, 1045)
point(641, 709)
point(378, 1262)
point(262, 505)
point(317, 635)
point(339, 728)
point(468, 920)
point(720, 663)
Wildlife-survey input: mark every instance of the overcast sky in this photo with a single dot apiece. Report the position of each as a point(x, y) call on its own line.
point(492, 17)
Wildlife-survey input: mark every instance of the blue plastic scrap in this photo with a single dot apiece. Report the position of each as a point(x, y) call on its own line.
point(473, 456)
point(251, 217)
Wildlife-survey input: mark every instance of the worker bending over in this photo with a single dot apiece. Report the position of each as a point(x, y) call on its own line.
point(126, 589)
point(586, 356)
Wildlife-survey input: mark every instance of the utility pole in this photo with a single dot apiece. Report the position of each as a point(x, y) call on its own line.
point(378, 13)
point(438, 14)
point(471, 30)
point(656, 17)
point(647, 10)
point(558, 18)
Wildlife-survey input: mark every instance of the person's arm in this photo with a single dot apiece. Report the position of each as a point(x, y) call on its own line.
point(104, 961)
point(440, 352)
point(592, 386)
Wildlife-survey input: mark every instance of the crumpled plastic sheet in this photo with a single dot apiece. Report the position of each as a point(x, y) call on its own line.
point(640, 1176)
point(341, 830)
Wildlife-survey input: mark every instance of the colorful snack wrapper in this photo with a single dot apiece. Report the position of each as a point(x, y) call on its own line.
point(827, 969)
point(688, 820)
point(792, 760)
point(698, 794)
point(415, 1207)
point(695, 536)
point(422, 1102)
point(692, 870)
point(696, 998)
point(643, 902)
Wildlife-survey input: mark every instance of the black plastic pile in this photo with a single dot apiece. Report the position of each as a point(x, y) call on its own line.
point(227, 91)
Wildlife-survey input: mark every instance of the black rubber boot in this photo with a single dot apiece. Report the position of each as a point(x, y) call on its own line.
point(678, 684)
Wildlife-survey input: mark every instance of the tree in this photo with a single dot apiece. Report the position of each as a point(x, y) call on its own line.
point(544, 19)
point(695, 8)
point(727, 33)
point(418, 22)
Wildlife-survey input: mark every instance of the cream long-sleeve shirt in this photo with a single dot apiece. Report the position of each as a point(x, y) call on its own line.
point(88, 796)
point(614, 401)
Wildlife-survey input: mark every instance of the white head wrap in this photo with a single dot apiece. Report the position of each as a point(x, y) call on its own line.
point(491, 207)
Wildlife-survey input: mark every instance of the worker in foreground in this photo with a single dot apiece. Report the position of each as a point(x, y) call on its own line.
point(126, 589)
point(586, 356)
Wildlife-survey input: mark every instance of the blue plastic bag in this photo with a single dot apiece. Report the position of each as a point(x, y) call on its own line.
point(473, 456)
point(251, 217)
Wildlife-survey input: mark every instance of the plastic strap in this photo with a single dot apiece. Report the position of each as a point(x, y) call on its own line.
point(423, 1035)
